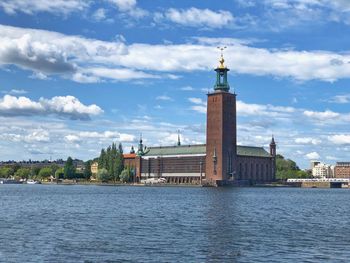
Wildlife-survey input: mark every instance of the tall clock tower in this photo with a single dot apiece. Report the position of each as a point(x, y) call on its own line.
point(221, 149)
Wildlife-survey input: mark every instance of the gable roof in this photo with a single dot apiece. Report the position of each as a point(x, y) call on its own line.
point(201, 149)
point(176, 150)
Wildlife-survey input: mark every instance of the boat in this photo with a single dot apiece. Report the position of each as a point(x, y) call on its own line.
point(10, 181)
point(31, 181)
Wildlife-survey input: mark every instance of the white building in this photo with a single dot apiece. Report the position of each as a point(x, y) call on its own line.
point(322, 170)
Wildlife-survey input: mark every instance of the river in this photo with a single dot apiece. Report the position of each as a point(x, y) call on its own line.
point(54, 223)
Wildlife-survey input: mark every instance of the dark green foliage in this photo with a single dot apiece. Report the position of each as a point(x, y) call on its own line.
point(34, 171)
point(22, 173)
point(59, 174)
point(54, 167)
point(126, 175)
point(45, 172)
point(286, 168)
point(111, 159)
point(69, 169)
point(6, 172)
point(103, 175)
point(87, 170)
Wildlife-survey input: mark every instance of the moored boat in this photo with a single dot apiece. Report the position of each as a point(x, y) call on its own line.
point(31, 181)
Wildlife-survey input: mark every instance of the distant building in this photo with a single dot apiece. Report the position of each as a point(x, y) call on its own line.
point(218, 162)
point(94, 168)
point(314, 163)
point(342, 170)
point(321, 170)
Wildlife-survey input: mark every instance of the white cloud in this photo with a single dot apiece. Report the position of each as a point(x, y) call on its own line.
point(307, 140)
point(38, 135)
point(341, 99)
point(321, 115)
point(67, 106)
point(106, 135)
point(124, 5)
point(197, 101)
point(163, 97)
point(187, 88)
point(312, 156)
point(14, 91)
point(197, 17)
point(90, 60)
point(99, 14)
point(129, 7)
point(52, 6)
point(340, 139)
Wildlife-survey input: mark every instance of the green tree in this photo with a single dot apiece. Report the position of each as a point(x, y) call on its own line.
point(59, 174)
point(125, 175)
point(103, 175)
point(6, 172)
point(69, 169)
point(286, 168)
point(87, 170)
point(112, 160)
point(45, 173)
point(22, 173)
point(54, 167)
point(120, 159)
point(34, 171)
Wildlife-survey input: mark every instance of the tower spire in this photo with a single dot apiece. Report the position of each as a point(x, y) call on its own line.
point(221, 74)
point(178, 138)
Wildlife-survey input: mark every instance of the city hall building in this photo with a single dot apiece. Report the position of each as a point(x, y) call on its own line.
point(218, 162)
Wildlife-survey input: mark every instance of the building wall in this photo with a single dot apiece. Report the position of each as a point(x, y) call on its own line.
point(168, 166)
point(221, 136)
point(94, 168)
point(323, 170)
point(249, 168)
point(342, 171)
point(130, 162)
point(255, 169)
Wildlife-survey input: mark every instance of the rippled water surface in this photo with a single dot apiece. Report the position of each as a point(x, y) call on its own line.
point(49, 223)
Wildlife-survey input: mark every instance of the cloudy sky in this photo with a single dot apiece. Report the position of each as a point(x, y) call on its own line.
point(77, 75)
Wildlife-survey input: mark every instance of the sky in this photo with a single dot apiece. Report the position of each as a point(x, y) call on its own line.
point(78, 75)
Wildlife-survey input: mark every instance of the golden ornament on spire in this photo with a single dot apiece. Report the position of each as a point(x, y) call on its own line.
point(222, 60)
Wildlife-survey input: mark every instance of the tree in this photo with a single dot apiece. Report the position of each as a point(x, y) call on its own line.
point(45, 173)
point(69, 169)
point(34, 171)
point(87, 170)
point(120, 159)
point(286, 168)
point(54, 167)
point(6, 172)
point(125, 175)
point(59, 174)
point(23, 173)
point(103, 175)
point(112, 160)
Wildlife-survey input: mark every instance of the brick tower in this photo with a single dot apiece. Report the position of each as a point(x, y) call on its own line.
point(221, 149)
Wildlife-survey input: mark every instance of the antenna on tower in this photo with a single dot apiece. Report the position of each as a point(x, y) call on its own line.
point(222, 50)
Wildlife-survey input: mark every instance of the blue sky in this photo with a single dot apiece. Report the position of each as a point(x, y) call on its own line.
point(78, 75)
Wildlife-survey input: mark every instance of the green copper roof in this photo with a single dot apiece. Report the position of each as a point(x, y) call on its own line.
point(201, 149)
point(252, 151)
point(176, 150)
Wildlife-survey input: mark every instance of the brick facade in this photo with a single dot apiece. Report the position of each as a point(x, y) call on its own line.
point(221, 155)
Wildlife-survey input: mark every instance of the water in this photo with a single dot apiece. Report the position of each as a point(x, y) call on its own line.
point(49, 223)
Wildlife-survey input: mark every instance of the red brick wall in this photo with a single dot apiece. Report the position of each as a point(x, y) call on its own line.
point(342, 171)
point(221, 135)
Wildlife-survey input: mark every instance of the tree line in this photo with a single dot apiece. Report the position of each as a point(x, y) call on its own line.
point(44, 173)
point(286, 168)
point(111, 165)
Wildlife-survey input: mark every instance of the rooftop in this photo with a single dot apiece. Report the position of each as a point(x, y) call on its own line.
point(201, 149)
